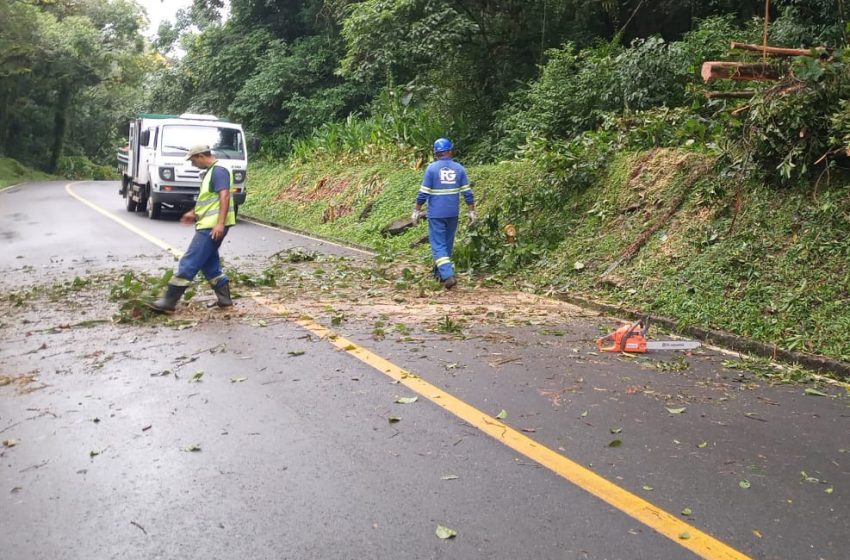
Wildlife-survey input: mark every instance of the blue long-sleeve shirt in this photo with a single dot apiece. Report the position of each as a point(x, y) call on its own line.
point(445, 180)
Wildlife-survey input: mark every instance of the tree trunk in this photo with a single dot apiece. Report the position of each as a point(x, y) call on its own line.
point(739, 71)
point(4, 118)
point(60, 126)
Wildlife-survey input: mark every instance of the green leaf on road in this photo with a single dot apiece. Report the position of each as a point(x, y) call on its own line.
point(502, 415)
point(406, 400)
point(445, 532)
point(192, 448)
point(449, 477)
point(615, 430)
point(238, 379)
point(676, 410)
point(687, 511)
point(294, 353)
point(702, 445)
point(394, 419)
point(807, 478)
point(648, 488)
point(744, 484)
point(814, 392)
point(829, 490)
point(616, 443)
point(684, 536)
point(196, 377)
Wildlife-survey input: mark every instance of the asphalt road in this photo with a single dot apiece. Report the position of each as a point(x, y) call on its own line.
point(283, 448)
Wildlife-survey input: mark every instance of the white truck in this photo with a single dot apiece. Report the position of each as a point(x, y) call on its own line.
point(154, 172)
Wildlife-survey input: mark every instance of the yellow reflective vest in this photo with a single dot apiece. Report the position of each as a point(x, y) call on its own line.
point(207, 205)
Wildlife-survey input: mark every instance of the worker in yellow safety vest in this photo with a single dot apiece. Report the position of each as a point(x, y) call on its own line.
point(212, 215)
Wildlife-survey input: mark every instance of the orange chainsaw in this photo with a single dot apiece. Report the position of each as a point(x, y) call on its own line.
point(632, 338)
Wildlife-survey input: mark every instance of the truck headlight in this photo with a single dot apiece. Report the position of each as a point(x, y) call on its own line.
point(239, 176)
point(166, 173)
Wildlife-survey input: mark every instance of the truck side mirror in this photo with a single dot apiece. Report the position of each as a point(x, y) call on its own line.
point(255, 144)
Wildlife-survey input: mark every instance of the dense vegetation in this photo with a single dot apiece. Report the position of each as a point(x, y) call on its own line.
point(586, 123)
point(504, 79)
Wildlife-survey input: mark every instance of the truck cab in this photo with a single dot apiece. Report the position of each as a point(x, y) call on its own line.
point(154, 172)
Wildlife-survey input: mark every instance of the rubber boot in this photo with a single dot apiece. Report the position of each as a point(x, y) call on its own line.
point(222, 294)
point(450, 282)
point(168, 302)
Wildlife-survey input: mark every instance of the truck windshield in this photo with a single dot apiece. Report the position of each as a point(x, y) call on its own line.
point(226, 143)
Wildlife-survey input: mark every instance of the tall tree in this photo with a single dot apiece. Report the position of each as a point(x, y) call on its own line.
point(58, 50)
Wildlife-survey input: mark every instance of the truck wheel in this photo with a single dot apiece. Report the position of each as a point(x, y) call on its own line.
point(131, 204)
point(153, 209)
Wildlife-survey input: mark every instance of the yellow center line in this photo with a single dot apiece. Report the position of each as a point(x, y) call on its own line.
point(687, 536)
point(155, 240)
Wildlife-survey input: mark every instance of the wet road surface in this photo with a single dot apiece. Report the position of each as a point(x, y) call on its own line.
point(282, 447)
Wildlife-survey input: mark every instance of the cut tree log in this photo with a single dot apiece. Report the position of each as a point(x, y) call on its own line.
point(778, 51)
point(743, 94)
point(739, 71)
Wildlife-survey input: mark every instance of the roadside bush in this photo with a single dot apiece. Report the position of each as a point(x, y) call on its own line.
point(840, 128)
point(810, 23)
point(540, 209)
point(790, 127)
point(398, 129)
point(12, 172)
point(579, 90)
point(80, 167)
point(574, 90)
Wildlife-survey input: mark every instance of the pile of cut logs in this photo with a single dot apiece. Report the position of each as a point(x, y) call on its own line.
point(750, 71)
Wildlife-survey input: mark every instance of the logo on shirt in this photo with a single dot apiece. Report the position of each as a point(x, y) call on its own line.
point(447, 175)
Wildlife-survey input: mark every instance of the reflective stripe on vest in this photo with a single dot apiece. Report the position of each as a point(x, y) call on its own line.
point(207, 206)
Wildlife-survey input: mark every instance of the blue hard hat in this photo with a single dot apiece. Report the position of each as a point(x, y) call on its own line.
point(442, 145)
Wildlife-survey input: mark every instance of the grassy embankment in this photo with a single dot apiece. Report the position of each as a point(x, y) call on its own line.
point(756, 261)
point(12, 173)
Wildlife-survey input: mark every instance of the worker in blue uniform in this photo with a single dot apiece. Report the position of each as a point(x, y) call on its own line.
point(445, 180)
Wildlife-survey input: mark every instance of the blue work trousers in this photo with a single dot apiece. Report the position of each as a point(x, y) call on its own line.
point(441, 234)
point(202, 255)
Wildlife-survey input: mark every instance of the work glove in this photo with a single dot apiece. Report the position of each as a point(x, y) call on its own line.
point(472, 216)
point(415, 216)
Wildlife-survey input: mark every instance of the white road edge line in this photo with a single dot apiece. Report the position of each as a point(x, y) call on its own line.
point(283, 230)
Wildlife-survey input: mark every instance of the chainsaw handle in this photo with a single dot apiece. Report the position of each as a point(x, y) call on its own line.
point(619, 337)
point(607, 337)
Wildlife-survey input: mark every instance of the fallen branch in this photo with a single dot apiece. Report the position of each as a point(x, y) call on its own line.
point(743, 94)
point(778, 51)
point(740, 110)
point(632, 249)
